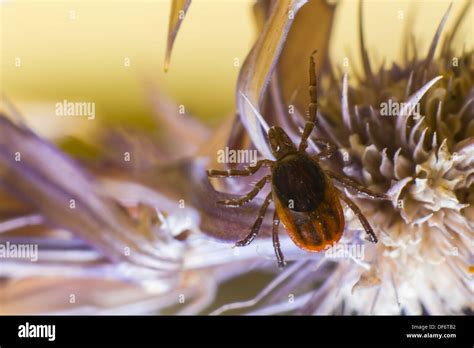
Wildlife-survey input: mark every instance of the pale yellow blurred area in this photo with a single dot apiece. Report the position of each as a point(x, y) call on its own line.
point(385, 22)
point(78, 50)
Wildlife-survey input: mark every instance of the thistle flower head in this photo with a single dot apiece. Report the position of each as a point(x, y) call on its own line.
point(406, 130)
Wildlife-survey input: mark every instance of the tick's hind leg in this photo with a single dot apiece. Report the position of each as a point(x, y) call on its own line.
point(349, 183)
point(256, 226)
point(360, 215)
point(276, 241)
point(238, 202)
point(239, 172)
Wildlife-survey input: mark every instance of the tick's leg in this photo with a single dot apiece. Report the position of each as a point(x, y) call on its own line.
point(276, 241)
point(349, 183)
point(313, 104)
point(360, 215)
point(256, 226)
point(330, 149)
point(239, 172)
point(238, 202)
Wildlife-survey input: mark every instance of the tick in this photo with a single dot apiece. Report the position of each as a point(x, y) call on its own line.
point(306, 201)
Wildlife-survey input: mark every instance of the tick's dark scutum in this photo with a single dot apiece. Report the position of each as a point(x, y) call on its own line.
point(297, 178)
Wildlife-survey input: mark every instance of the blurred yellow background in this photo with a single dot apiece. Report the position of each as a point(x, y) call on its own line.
point(76, 50)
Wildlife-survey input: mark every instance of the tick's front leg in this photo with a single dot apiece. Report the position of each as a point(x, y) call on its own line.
point(330, 149)
point(239, 172)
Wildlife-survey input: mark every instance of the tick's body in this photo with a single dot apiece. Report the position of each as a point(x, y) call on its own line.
point(306, 201)
point(299, 180)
